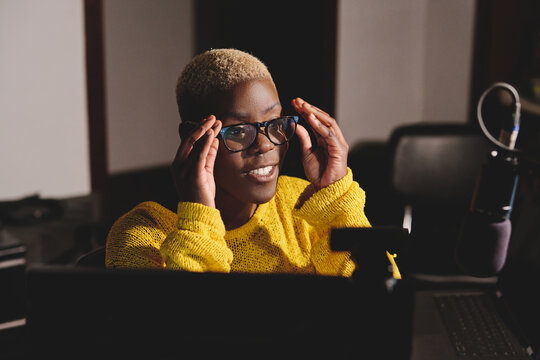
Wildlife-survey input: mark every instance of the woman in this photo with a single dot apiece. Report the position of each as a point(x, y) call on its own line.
point(236, 214)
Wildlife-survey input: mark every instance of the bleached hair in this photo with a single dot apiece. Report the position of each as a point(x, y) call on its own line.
point(211, 72)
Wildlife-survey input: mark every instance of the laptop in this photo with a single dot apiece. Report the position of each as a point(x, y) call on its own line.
point(478, 320)
point(461, 317)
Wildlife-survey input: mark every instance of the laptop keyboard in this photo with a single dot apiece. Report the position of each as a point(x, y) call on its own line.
point(475, 328)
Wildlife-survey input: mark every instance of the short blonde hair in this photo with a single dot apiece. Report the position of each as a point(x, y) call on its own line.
point(211, 72)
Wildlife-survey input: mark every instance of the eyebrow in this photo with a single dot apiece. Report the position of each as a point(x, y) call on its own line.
point(244, 115)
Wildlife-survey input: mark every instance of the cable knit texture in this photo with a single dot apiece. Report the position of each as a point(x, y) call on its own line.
point(289, 234)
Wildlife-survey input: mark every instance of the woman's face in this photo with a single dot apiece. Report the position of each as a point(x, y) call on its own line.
point(248, 176)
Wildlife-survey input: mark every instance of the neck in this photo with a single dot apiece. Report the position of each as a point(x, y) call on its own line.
point(234, 213)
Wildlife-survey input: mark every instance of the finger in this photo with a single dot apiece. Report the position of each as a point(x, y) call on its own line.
point(217, 127)
point(297, 104)
point(212, 154)
point(305, 106)
point(329, 128)
point(203, 148)
point(206, 142)
point(320, 129)
point(306, 146)
point(323, 116)
point(325, 127)
point(201, 130)
point(306, 109)
point(187, 145)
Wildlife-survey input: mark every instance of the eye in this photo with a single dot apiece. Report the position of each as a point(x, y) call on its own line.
point(279, 123)
point(236, 131)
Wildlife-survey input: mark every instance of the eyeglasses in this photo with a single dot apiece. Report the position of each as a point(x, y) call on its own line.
point(241, 136)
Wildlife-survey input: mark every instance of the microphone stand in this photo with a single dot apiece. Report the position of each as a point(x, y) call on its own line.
point(383, 305)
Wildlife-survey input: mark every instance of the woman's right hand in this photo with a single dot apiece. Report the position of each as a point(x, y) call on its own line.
point(193, 167)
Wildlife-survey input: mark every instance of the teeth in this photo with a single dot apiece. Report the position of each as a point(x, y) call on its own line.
point(261, 171)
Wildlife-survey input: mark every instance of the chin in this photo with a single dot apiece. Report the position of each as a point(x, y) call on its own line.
point(246, 192)
point(260, 194)
point(265, 198)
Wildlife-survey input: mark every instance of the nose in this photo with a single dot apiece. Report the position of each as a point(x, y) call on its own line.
point(262, 143)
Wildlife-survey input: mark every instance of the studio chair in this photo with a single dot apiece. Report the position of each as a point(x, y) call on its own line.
point(369, 161)
point(433, 171)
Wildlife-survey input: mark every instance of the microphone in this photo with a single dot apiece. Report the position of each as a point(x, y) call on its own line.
point(485, 233)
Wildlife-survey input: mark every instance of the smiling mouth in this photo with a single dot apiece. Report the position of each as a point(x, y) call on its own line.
point(261, 171)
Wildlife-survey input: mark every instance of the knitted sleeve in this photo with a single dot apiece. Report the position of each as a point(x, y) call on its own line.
point(339, 205)
point(135, 238)
point(198, 242)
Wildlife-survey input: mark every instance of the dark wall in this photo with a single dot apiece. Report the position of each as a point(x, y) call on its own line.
point(506, 46)
point(507, 49)
point(295, 39)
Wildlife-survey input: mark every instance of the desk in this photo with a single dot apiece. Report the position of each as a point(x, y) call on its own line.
point(54, 241)
point(12, 293)
point(46, 242)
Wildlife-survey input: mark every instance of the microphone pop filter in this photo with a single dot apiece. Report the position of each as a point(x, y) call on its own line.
point(483, 245)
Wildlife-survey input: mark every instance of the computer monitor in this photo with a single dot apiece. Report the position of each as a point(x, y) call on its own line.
point(163, 314)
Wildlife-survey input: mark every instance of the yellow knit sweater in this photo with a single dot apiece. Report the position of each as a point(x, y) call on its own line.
point(289, 234)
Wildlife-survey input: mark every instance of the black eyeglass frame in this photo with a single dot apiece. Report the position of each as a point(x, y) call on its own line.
point(257, 125)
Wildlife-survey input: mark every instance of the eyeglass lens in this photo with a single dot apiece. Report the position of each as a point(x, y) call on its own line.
point(241, 137)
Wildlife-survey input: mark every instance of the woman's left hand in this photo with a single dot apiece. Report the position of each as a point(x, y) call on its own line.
point(325, 162)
